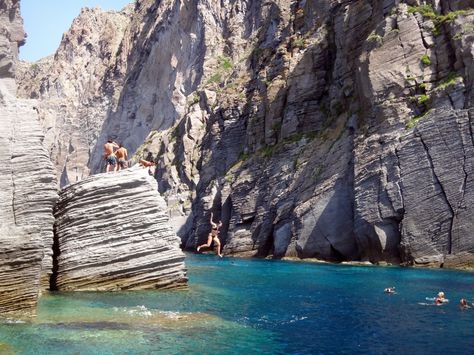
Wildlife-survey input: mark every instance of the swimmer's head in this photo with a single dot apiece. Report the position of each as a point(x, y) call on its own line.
point(441, 294)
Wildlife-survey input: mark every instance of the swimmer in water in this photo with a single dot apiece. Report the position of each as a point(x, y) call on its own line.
point(463, 304)
point(439, 300)
point(389, 290)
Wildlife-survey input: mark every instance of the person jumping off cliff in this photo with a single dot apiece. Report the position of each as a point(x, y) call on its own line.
point(213, 236)
point(109, 155)
point(122, 156)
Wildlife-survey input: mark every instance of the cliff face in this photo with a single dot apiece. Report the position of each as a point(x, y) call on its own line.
point(112, 234)
point(340, 130)
point(12, 36)
point(27, 181)
point(72, 103)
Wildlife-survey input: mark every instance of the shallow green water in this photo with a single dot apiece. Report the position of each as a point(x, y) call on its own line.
point(258, 306)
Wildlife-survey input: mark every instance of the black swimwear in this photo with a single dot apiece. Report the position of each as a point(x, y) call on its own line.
point(111, 160)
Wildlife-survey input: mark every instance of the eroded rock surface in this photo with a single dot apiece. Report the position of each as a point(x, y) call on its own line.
point(112, 234)
point(27, 196)
point(27, 184)
point(12, 36)
point(340, 130)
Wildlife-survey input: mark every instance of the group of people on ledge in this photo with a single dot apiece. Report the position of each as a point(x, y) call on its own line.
point(439, 300)
point(116, 157)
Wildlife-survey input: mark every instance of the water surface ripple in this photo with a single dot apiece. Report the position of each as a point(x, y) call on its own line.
point(246, 306)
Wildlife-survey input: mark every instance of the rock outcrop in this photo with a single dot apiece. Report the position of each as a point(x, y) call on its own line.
point(12, 36)
point(112, 234)
point(74, 99)
point(340, 130)
point(27, 184)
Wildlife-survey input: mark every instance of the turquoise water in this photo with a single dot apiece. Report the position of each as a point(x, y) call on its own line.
point(259, 306)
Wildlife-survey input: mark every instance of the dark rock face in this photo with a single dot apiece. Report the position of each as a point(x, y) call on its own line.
point(340, 130)
point(112, 234)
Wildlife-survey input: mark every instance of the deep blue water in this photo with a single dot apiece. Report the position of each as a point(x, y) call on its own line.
point(259, 306)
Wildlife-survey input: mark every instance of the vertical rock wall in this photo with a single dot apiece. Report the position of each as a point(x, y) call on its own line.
point(311, 128)
point(27, 184)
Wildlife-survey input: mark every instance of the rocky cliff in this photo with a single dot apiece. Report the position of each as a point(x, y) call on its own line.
point(27, 184)
point(112, 234)
point(340, 130)
point(73, 102)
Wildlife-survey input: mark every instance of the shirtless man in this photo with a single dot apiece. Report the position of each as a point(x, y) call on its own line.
point(213, 236)
point(146, 163)
point(122, 156)
point(110, 156)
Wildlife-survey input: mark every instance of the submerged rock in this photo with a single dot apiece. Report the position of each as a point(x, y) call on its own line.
point(113, 234)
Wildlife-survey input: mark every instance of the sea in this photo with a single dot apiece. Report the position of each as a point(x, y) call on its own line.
point(252, 306)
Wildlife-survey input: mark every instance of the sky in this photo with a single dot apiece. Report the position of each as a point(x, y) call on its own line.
point(45, 21)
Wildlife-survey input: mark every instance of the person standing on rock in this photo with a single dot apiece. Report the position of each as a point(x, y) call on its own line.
point(122, 156)
point(213, 236)
point(110, 155)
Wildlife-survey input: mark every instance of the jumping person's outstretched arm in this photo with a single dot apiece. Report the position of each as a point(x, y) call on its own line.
point(212, 223)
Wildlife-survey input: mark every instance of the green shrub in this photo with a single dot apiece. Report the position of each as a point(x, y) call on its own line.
point(299, 42)
point(412, 123)
point(215, 79)
point(424, 10)
point(244, 156)
point(268, 151)
point(428, 12)
point(225, 63)
point(450, 80)
point(425, 60)
point(422, 99)
point(375, 38)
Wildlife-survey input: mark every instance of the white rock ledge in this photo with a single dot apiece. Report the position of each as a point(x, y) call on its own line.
point(112, 233)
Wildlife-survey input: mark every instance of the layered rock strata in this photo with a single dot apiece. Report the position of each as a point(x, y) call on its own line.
point(27, 184)
point(27, 196)
point(22, 252)
point(312, 129)
point(112, 234)
point(74, 101)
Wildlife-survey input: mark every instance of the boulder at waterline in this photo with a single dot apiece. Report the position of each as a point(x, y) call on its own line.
point(112, 233)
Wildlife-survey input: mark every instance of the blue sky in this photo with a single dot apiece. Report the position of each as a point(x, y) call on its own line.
point(45, 21)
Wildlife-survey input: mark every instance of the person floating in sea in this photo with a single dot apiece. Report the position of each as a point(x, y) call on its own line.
point(463, 304)
point(389, 290)
point(213, 236)
point(110, 155)
point(122, 156)
point(440, 299)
